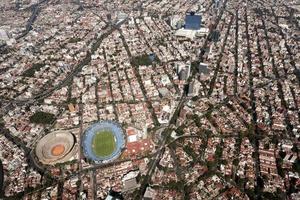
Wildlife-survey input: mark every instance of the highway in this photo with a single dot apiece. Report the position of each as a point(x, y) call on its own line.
point(165, 134)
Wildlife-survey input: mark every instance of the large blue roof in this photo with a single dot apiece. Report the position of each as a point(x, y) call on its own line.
point(193, 22)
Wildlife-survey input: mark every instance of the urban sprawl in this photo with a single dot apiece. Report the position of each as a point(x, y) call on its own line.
point(193, 99)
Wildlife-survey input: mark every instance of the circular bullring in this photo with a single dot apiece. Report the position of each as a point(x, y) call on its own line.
point(58, 150)
point(55, 147)
point(103, 142)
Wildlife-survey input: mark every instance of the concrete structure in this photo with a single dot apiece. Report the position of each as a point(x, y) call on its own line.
point(203, 69)
point(176, 22)
point(149, 194)
point(130, 182)
point(193, 88)
point(191, 34)
point(268, 162)
point(3, 35)
point(215, 35)
point(202, 32)
point(192, 27)
point(183, 70)
point(121, 16)
point(112, 195)
point(56, 147)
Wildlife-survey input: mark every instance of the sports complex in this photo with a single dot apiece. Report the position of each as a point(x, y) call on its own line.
point(56, 147)
point(103, 142)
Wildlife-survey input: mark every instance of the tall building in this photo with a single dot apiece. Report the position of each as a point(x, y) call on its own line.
point(130, 181)
point(203, 69)
point(3, 35)
point(121, 16)
point(174, 21)
point(216, 3)
point(149, 194)
point(183, 70)
point(215, 35)
point(113, 195)
point(193, 88)
point(268, 162)
point(183, 74)
point(18, 4)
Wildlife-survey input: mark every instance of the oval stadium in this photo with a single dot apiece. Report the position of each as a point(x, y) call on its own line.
point(103, 142)
point(56, 147)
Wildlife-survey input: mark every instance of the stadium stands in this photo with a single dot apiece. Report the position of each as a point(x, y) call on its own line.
point(56, 147)
point(87, 141)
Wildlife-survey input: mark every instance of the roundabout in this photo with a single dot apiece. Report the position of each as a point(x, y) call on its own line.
point(103, 142)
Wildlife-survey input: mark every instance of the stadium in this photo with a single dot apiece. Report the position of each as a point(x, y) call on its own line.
point(56, 147)
point(103, 142)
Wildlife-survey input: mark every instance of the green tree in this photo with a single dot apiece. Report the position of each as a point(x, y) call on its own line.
point(42, 118)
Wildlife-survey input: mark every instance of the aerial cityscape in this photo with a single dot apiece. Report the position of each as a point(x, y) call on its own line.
point(150, 99)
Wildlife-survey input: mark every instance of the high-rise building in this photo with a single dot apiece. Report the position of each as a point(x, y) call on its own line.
point(193, 88)
point(174, 21)
point(217, 3)
point(121, 16)
point(183, 74)
point(203, 68)
point(183, 70)
point(268, 162)
point(215, 35)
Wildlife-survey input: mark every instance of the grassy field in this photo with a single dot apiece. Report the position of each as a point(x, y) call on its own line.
point(104, 143)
